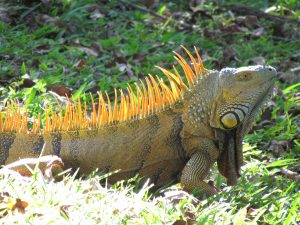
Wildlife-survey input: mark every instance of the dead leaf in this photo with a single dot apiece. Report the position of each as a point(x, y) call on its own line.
point(252, 211)
point(197, 7)
point(210, 33)
point(65, 209)
point(88, 51)
point(177, 195)
point(190, 217)
point(51, 166)
point(59, 89)
point(4, 15)
point(229, 54)
point(139, 57)
point(293, 111)
point(115, 60)
point(18, 204)
point(96, 14)
point(53, 170)
point(279, 93)
point(79, 65)
point(148, 3)
point(257, 61)
point(290, 174)
point(179, 222)
point(96, 47)
point(27, 82)
point(290, 76)
point(279, 29)
point(128, 68)
point(279, 147)
point(249, 21)
point(93, 90)
point(46, 3)
point(279, 10)
point(8, 202)
point(196, 2)
point(231, 28)
point(93, 185)
point(258, 32)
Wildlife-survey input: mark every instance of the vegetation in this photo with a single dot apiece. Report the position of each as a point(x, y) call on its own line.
point(51, 48)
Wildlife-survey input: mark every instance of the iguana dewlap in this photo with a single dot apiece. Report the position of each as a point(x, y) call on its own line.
point(162, 130)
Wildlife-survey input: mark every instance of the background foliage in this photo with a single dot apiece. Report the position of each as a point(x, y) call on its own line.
point(51, 48)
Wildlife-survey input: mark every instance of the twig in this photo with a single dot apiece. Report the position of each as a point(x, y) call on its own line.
point(164, 18)
point(290, 174)
point(259, 13)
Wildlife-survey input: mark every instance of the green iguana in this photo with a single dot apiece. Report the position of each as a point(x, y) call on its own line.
point(160, 131)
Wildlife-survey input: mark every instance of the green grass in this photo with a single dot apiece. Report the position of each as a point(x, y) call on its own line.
point(46, 44)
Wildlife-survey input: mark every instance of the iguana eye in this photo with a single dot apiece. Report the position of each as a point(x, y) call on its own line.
point(244, 76)
point(231, 119)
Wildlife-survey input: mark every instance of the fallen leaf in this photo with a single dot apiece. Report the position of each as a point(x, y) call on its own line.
point(79, 65)
point(279, 10)
point(4, 15)
point(210, 33)
point(231, 28)
point(27, 82)
point(88, 51)
point(137, 58)
point(59, 89)
point(279, 147)
point(54, 169)
point(249, 21)
point(128, 68)
point(290, 174)
point(115, 60)
point(229, 54)
point(177, 195)
point(17, 204)
point(190, 218)
point(290, 76)
point(179, 222)
point(257, 32)
point(65, 209)
point(279, 93)
point(148, 3)
point(257, 61)
point(279, 29)
point(8, 202)
point(252, 211)
point(96, 14)
point(51, 166)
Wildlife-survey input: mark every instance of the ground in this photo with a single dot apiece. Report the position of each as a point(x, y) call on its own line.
point(50, 49)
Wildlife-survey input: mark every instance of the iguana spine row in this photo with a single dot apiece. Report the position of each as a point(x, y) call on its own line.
point(152, 96)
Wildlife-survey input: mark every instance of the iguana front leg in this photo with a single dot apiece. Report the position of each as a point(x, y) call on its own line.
point(195, 171)
point(203, 154)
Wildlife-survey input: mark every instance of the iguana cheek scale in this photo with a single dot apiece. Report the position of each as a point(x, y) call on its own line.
point(165, 131)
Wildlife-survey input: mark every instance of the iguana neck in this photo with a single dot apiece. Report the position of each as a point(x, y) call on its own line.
point(197, 104)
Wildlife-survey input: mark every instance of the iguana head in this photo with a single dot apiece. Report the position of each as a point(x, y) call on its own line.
point(241, 93)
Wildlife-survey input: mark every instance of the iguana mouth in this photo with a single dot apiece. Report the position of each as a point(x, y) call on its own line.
point(230, 143)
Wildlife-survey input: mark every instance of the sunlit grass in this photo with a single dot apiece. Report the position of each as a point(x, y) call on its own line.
point(48, 54)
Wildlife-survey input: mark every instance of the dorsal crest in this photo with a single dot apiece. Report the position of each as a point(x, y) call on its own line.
point(152, 95)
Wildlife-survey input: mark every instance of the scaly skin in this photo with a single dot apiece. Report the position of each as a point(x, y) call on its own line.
point(180, 142)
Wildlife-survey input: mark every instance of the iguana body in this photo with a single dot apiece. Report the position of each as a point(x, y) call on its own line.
point(161, 133)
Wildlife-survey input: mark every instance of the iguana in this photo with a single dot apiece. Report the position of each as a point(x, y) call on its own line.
point(166, 131)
